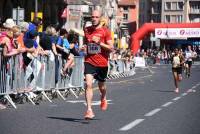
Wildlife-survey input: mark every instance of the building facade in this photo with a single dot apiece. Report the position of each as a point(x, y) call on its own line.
point(194, 11)
point(51, 10)
point(180, 11)
point(174, 11)
point(167, 11)
point(129, 9)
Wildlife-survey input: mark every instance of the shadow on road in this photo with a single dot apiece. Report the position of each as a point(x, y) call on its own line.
point(83, 121)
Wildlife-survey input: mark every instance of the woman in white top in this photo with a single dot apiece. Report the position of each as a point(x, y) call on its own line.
point(177, 63)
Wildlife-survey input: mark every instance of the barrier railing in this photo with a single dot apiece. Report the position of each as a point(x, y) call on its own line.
point(120, 68)
point(42, 76)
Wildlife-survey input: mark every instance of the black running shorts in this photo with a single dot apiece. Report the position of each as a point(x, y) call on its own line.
point(189, 63)
point(178, 70)
point(99, 73)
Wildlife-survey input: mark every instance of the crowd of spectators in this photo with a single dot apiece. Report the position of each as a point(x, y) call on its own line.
point(25, 40)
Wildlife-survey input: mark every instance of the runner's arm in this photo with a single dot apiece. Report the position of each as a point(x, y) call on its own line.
point(109, 46)
point(182, 59)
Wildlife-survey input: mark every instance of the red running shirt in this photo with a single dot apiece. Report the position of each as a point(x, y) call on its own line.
point(100, 56)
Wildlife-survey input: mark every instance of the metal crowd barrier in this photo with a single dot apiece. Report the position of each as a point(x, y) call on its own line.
point(42, 74)
point(120, 68)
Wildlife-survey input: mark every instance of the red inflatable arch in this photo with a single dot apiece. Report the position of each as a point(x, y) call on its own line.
point(150, 27)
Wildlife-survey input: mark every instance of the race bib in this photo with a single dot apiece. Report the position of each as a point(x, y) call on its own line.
point(93, 48)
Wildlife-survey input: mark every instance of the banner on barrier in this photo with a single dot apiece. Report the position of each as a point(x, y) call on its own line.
point(139, 62)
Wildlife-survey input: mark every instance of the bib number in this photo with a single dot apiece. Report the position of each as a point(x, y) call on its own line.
point(93, 48)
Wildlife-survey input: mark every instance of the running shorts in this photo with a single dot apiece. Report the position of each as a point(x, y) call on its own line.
point(189, 63)
point(178, 70)
point(99, 73)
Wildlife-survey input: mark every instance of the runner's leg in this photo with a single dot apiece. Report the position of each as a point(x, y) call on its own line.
point(89, 91)
point(176, 80)
point(102, 88)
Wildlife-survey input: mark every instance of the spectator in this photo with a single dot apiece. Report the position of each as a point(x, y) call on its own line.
point(46, 42)
point(63, 48)
point(6, 39)
point(33, 66)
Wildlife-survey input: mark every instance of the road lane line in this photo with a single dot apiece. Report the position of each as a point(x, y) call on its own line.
point(193, 90)
point(167, 104)
point(151, 113)
point(184, 94)
point(189, 90)
point(193, 87)
point(124, 81)
point(131, 125)
point(177, 98)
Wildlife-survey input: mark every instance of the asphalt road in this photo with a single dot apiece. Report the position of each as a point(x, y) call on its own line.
point(142, 104)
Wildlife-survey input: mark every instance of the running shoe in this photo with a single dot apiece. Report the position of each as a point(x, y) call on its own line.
point(104, 105)
point(177, 90)
point(89, 115)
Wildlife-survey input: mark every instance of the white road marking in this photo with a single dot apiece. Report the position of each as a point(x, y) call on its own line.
point(193, 87)
point(124, 81)
point(167, 104)
point(94, 103)
point(76, 101)
point(97, 103)
point(189, 90)
point(177, 98)
point(151, 113)
point(184, 94)
point(131, 125)
point(193, 91)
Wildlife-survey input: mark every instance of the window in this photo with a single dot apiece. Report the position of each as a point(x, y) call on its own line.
point(156, 9)
point(125, 9)
point(156, 18)
point(167, 18)
point(179, 18)
point(168, 6)
point(173, 19)
point(174, 6)
point(180, 6)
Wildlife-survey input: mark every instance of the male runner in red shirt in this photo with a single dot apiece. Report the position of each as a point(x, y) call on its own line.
point(99, 44)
